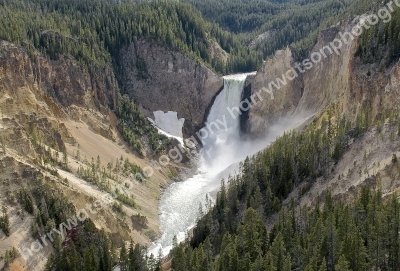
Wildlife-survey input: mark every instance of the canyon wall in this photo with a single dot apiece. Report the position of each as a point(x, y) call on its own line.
point(158, 78)
point(340, 77)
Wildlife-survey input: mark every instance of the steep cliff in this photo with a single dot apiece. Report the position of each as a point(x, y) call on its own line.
point(37, 93)
point(338, 77)
point(158, 78)
point(272, 106)
point(54, 119)
point(65, 80)
point(342, 83)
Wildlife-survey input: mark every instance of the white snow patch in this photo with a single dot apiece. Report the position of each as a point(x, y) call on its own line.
point(168, 124)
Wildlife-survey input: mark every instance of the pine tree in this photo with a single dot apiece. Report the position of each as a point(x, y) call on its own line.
point(269, 262)
point(342, 265)
point(63, 264)
point(287, 265)
point(159, 261)
point(244, 262)
point(313, 264)
point(278, 251)
point(331, 242)
point(105, 259)
point(179, 261)
point(250, 234)
point(398, 129)
point(4, 222)
point(73, 258)
point(358, 257)
point(228, 259)
point(65, 159)
point(123, 259)
point(257, 265)
point(256, 199)
point(98, 163)
point(323, 266)
point(89, 260)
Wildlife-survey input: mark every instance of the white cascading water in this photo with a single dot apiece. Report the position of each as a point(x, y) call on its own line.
point(221, 148)
point(179, 205)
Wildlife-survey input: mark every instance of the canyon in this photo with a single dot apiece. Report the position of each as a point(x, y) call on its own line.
point(61, 107)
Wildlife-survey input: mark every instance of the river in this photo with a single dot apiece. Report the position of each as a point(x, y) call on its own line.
point(180, 203)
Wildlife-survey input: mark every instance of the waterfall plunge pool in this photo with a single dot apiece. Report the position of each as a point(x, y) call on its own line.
point(180, 203)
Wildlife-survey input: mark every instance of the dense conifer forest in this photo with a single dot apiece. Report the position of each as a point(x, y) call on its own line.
point(286, 22)
point(233, 235)
point(341, 237)
point(381, 43)
point(94, 31)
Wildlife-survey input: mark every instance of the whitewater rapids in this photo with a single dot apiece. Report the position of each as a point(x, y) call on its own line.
point(180, 203)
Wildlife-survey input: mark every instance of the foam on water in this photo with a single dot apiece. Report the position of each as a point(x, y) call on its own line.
point(179, 210)
point(179, 205)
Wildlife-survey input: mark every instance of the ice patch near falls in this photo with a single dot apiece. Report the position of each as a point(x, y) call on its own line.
point(168, 124)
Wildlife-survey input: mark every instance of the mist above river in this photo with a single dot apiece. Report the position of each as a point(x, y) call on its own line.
point(223, 150)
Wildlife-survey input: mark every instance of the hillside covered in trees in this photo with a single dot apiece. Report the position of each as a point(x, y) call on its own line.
point(341, 237)
point(252, 228)
point(94, 31)
point(286, 22)
point(232, 235)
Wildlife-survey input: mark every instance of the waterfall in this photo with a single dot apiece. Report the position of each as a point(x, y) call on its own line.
point(229, 97)
point(179, 205)
point(221, 147)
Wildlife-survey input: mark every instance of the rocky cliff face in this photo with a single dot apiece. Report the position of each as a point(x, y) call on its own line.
point(37, 93)
point(52, 111)
point(337, 78)
point(273, 106)
point(64, 81)
point(160, 79)
point(343, 82)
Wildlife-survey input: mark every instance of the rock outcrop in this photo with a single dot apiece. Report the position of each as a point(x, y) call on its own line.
point(55, 116)
point(158, 78)
point(63, 80)
point(266, 111)
point(37, 94)
point(340, 77)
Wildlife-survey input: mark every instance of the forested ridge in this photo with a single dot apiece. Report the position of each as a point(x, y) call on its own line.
point(360, 235)
point(381, 43)
point(94, 31)
point(291, 22)
point(342, 237)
